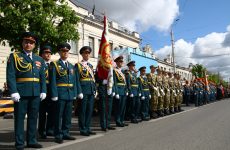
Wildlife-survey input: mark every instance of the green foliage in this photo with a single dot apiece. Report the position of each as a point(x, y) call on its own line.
point(198, 70)
point(214, 78)
point(52, 20)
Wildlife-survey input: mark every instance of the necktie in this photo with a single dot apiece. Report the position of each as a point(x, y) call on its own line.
point(67, 68)
point(47, 64)
point(66, 65)
point(29, 55)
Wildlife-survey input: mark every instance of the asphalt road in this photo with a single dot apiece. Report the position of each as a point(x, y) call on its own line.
point(202, 128)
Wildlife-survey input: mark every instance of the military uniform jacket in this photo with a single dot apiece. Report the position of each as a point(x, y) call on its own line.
point(62, 80)
point(85, 76)
point(172, 86)
point(187, 89)
point(160, 85)
point(26, 76)
point(119, 82)
point(165, 83)
point(132, 83)
point(144, 85)
point(195, 88)
point(47, 75)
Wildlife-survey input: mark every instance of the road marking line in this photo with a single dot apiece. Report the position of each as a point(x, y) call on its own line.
point(72, 142)
point(154, 120)
point(119, 129)
point(7, 128)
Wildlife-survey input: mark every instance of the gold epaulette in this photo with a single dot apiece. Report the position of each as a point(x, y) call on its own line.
point(61, 73)
point(24, 67)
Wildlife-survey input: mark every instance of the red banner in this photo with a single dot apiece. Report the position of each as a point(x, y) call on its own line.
point(104, 55)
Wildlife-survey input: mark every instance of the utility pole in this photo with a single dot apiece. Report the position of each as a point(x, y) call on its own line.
point(173, 57)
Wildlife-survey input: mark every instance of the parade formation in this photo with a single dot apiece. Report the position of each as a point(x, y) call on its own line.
point(46, 91)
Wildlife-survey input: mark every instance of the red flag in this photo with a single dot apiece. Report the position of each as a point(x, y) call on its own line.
point(206, 81)
point(104, 56)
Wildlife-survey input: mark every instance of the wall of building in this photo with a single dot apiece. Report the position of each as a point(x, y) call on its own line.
point(183, 72)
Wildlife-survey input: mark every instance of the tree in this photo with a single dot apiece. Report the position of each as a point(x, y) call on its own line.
point(198, 70)
point(52, 20)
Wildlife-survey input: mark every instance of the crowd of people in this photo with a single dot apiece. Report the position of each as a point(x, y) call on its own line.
point(46, 90)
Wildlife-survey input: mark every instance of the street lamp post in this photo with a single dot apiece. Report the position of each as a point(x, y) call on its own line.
point(173, 57)
point(172, 42)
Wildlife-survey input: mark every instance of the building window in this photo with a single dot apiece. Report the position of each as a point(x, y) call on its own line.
point(73, 45)
point(111, 46)
point(91, 44)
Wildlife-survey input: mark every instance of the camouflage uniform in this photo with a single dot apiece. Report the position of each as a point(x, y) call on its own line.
point(161, 95)
point(167, 93)
point(172, 94)
point(152, 79)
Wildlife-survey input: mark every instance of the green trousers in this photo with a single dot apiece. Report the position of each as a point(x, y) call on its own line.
point(28, 105)
point(85, 112)
point(63, 117)
point(105, 106)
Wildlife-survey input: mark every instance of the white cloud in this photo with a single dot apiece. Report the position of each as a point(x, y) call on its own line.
point(139, 15)
point(209, 50)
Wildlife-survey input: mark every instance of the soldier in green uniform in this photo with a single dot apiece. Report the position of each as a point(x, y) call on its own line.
point(187, 93)
point(165, 83)
point(63, 91)
point(196, 92)
point(134, 91)
point(46, 122)
point(145, 94)
point(86, 91)
point(105, 101)
point(180, 92)
point(27, 86)
point(121, 92)
point(160, 107)
point(172, 93)
point(152, 79)
point(176, 88)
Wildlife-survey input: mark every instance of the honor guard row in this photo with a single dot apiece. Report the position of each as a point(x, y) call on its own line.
point(39, 86)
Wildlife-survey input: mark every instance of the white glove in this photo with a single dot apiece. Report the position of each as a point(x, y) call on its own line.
point(117, 96)
point(142, 98)
point(95, 95)
point(150, 96)
point(109, 92)
point(42, 96)
point(158, 94)
point(131, 95)
point(80, 96)
point(113, 93)
point(139, 94)
point(127, 94)
point(104, 82)
point(15, 97)
point(54, 98)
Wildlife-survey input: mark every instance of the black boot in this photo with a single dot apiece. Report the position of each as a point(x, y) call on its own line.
point(175, 109)
point(154, 115)
point(171, 110)
point(166, 112)
point(160, 113)
point(179, 109)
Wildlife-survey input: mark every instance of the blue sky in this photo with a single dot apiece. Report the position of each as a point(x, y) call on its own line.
point(202, 35)
point(197, 18)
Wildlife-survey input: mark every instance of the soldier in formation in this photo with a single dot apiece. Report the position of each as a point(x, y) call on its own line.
point(34, 81)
